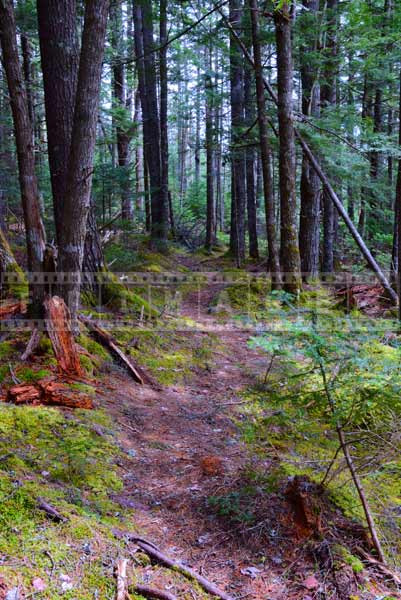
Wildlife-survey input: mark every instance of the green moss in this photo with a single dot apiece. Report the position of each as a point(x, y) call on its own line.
point(83, 387)
point(88, 365)
point(93, 347)
point(28, 375)
point(64, 461)
point(7, 350)
point(117, 297)
point(345, 556)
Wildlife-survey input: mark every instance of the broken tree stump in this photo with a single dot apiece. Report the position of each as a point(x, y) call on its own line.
point(58, 325)
point(303, 495)
point(104, 338)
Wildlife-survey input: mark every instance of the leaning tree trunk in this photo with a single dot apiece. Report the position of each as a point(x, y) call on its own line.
point(310, 184)
point(238, 191)
point(80, 163)
point(265, 149)
point(35, 234)
point(289, 250)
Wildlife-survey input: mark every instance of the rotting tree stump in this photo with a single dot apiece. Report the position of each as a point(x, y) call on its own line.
point(58, 325)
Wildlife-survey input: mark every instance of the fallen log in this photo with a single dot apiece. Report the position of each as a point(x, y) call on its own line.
point(104, 338)
point(24, 394)
point(152, 551)
point(60, 394)
point(11, 310)
point(149, 592)
point(58, 325)
point(48, 392)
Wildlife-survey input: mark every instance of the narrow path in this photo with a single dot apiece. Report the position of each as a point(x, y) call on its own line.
point(185, 448)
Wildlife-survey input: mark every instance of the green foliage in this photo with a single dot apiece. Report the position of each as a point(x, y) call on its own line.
point(231, 506)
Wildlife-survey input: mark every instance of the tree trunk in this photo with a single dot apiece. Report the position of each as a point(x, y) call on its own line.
point(163, 68)
point(121, 99)
point(265, 150)
point(250, 165)
point(328, 96)
point(210, 201)
point(144, 48)
point(310, 184)
point(238, 191)
point(397, 218)
point(59, 50)
point(289, 250)
point(80, 163)
point(35, 234)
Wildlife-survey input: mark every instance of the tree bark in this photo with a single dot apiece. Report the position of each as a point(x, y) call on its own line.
point(210, 198)
point(397, 218)
point(144, 48)
point(265, 150)
point(289, 250)
point(59, 50)
point(80, 164)
point(34, 230)
point(121, 101)
point(238, 190)
point(310, 184)
point(250, 165)
point(163, 68)
point(329, 99)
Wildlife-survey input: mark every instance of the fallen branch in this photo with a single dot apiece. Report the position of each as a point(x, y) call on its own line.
point(121, 576)
point(110, 343)
point(13, 375)
point(383, 568)
point(32, 344)
point(51, 512)
point(152, 551)
point(58, 325)
point(149, 592)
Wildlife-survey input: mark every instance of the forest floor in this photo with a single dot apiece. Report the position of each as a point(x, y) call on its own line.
point(188, 480)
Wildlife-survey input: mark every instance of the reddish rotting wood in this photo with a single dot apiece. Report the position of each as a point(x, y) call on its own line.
point(58, 325)
point(48, 392)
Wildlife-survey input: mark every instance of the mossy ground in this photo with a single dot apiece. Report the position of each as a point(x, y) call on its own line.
point(63, 459)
